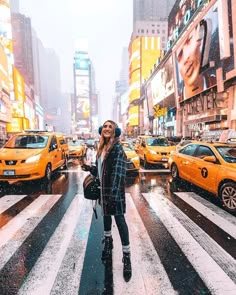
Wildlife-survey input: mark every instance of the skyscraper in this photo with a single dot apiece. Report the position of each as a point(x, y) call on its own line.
point(151, 10)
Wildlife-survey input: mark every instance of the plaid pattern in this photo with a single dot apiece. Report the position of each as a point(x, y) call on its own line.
point(113, 181)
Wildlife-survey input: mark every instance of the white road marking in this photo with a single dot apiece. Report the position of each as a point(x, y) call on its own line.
point(215, 278)
point(218, 216)
point(148, 273)
point(69, 275)
point(9, 200)
point(42, 277)
point(13, 234)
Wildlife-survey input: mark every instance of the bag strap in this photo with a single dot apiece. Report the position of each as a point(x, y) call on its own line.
point(95, 209)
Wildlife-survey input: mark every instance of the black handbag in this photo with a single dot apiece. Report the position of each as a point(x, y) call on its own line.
point(91, 186)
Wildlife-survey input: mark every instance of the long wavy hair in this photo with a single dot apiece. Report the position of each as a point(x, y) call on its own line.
point(103, 143)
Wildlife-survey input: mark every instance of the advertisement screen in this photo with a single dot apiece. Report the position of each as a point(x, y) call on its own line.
point(180, 16)
point(162, 84)
point(19, 86)
point(150, 54)
point(82, 86)
point(198, 56)
point(82, 108)
point(5, 25)
point(133, 116)
point(4, 76)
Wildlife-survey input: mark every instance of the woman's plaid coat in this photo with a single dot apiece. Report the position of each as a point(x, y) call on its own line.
point(113, 181)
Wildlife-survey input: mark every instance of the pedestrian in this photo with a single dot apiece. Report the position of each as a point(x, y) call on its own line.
point(111, 170)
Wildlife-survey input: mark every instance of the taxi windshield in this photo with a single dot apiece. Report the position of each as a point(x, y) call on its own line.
point(27, 142)
point(157, 142)
point(228, 153)
point(75, 143)
point(127, 147)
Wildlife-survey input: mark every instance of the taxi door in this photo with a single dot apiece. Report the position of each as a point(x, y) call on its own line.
point(55, 153)
point(142, 148)
point(205, 173)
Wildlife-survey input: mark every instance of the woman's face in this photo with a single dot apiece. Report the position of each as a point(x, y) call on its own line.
point(107, 130)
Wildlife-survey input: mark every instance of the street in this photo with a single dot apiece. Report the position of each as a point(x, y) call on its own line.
point(182, 240)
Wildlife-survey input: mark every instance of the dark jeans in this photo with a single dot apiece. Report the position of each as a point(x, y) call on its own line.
point(121, 225)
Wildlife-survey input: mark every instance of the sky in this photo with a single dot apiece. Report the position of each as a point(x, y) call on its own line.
point(106, 23)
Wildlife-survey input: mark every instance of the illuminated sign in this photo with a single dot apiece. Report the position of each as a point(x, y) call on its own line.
point(133, 116)
point(159, 112)
point(19, 86)
point(144, 53)
point(162, 84)
point(197, 57)
point(4, 75)
point(180, 16)
point(5, 25)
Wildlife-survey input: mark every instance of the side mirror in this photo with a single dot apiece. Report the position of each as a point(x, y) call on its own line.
point(211, 159)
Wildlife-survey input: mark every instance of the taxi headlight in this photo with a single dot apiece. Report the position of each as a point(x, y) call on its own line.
point(152, 152)
point(33, 159)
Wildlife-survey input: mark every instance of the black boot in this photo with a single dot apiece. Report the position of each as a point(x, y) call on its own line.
point(108, 246)
point(127, 270)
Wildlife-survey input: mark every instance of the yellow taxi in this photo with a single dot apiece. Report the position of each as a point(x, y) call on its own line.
point(211, 166)
point(133, 163)
point(32, 155)
point(77, 149)
point(154, 149)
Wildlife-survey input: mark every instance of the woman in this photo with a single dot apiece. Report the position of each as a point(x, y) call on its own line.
point(111, 169)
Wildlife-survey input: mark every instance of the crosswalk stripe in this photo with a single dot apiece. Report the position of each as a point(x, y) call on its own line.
point(9, 200)
point(218, 216)
point(42, 277)
point(188, 235)
point(13, 234)
point(149, 275)
point(69, 275)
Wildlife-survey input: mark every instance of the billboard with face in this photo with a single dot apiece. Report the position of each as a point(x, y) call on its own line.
point(180, 16)
point(198, 56)
point(194, 57)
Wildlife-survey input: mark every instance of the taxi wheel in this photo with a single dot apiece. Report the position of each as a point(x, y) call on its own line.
point(174, 171)
point(48, 173)
point(65, 165)
point(228, 195)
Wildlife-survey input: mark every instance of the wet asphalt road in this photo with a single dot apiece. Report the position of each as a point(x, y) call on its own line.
point(96, 277)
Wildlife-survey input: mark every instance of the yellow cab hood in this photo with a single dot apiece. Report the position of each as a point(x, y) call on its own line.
point(17, 154)
point(130, 154)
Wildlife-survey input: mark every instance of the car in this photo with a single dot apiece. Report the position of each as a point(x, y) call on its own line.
point(32, 155)
point(90, 143)
point(210, 166)
point(77, 149)
point(154, 149)
point(133, 163)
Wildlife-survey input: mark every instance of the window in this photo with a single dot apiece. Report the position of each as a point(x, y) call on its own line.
point(153, 31)
point(142, 31)
point(189, 150)
point(158, 31)
point(203, 151)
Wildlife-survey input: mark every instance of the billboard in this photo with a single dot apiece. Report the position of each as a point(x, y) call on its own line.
point(180, 16)
point(82, 86)
point(19, 86)
point(144, 53)
point(4, 75)
point(5, 25)
point(133, 116)
point(198, 56)
point(82, 108)
point(162, 84)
